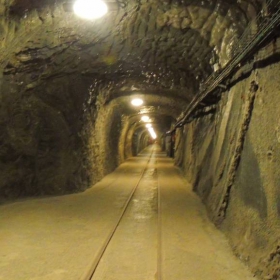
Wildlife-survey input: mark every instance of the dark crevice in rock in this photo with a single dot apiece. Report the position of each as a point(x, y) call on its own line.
point(247, 113)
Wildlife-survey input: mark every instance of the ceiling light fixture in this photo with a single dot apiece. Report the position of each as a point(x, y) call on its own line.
point(90, 9)
point(152, 133)
point(145, 118)
point(137, 102)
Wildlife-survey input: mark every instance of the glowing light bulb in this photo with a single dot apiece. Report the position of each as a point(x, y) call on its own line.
point(148, 125)
point(152, 133)
point(90, 9)
point(145, 118)
point(137, 102)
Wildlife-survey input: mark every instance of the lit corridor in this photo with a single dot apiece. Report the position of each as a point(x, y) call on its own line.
point(141, 222)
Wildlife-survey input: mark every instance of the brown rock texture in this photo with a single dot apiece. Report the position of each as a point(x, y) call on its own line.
point(66, 120)
point(232, 158)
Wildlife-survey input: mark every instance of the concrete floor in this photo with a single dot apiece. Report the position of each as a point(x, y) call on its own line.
point(59, 237)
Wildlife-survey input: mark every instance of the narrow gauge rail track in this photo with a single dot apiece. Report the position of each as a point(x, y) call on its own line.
point(91, 269)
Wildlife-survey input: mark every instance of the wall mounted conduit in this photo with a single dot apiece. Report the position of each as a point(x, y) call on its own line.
point(251, 43)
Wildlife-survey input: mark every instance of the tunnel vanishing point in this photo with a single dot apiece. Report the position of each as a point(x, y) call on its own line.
point(208, 72)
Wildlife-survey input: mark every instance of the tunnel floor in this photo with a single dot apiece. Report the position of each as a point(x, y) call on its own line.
point(163, 233)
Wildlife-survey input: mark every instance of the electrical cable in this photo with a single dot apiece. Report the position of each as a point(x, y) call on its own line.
point(249, 43)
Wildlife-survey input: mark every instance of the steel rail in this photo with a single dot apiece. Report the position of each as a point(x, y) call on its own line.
point(91, 269)
point(159, 231)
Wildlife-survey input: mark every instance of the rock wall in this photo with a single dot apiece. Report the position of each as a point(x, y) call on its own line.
point(56, 138)
point(104, 131)
point(232, 159)
point(40, 145)
point(62, 127)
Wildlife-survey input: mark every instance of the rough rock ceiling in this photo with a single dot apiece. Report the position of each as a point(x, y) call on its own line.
point(66, 83)
point(162, 45)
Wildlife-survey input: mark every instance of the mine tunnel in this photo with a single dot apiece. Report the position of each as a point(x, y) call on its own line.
point(142, 143)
